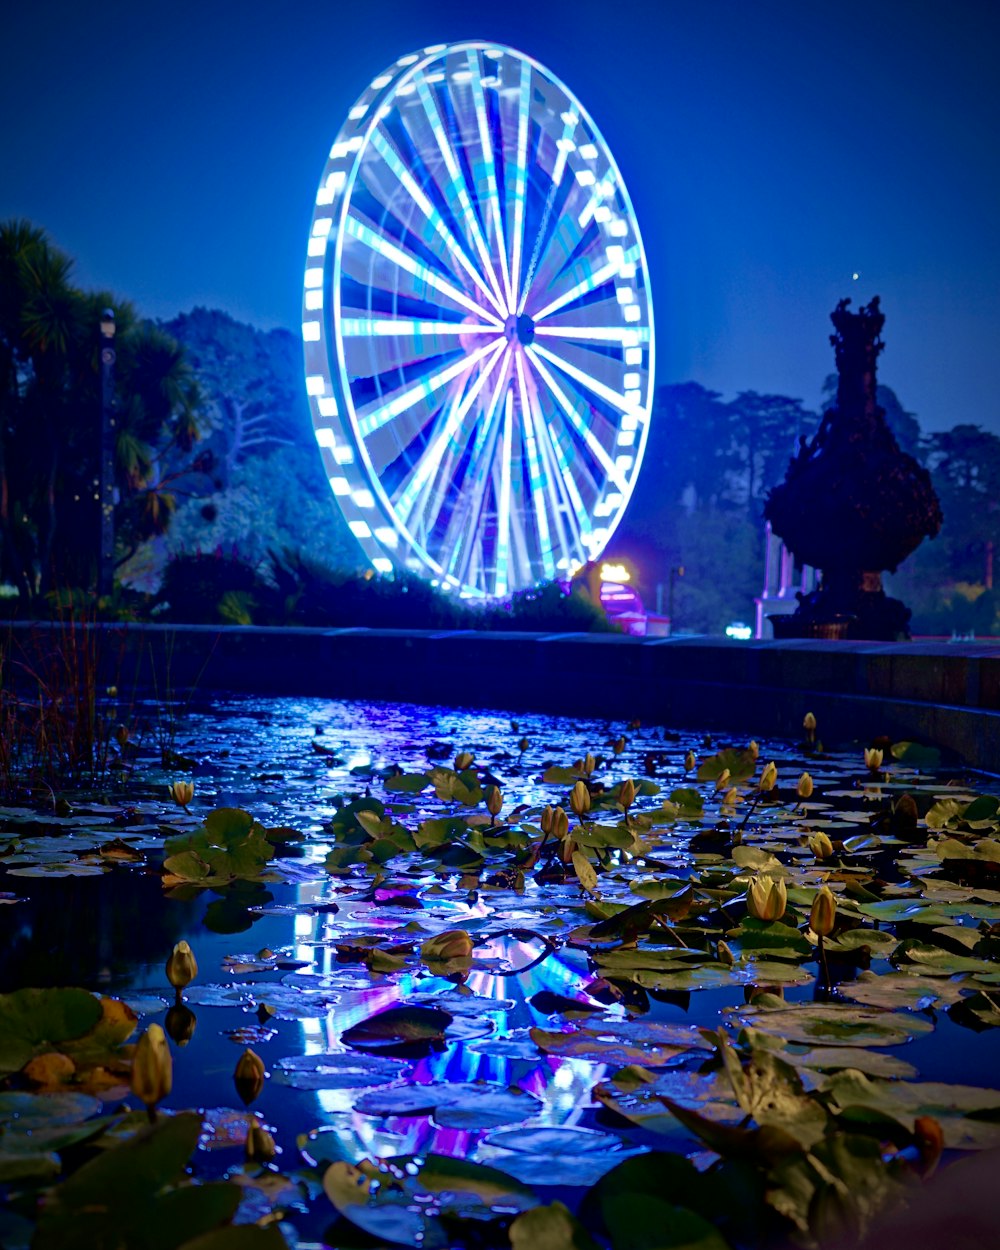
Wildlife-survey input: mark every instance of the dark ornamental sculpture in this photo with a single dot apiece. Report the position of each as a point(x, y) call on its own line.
point(852, 504)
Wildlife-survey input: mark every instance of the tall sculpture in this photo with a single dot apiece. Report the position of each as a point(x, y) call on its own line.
point(852, 504)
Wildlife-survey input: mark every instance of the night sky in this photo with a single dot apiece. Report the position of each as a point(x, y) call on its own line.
point(771, 150)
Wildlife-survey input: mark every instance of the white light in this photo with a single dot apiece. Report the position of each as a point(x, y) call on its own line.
point(630, 380)
point(360, 529)
point(314, 277)
point(615, 254)
point(410, 59)
point(625, 295)
point(632, 338)
point(310, 331)
point(326, 437)
point(315, 384)
point(317, 247)
point(624, 463)
point(565, 145)
point(630, 421)
point(739, 630)
point(437, 77)
point(618, 228)
point(569, 118)
point(321, 226)
point(382, 81)
point(336, 180)
point(462, 75)
point(435, 47)
point(632, 312)
point(588, 151)
point(585, 177)
point(382, 565)
point(387, 536)
point(615, 573)
point(323, 196)
point(314, 300)
point(327, 406)
point(357, 112)
point(633, 355)
point(626, 438)
point(407, 88)
point(341, 486)
point(363, 498)
point(343, 455)
point(602, 214)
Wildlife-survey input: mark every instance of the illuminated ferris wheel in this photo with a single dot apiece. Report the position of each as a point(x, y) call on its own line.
point(477, 324)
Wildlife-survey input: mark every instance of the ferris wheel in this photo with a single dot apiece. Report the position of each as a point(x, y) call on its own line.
point(477, 324)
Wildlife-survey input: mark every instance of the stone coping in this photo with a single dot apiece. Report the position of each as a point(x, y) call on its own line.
point(931, 691)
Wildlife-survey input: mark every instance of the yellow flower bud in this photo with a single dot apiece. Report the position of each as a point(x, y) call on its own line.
point(249, 1076)
point(722, 781)
point(873, 758)
point(754, 748)
point(182, 967)
point(560, 824)
point(767, 898)
point(804, 788)
point(122, 735)
point(463, 760)
point(494, 800)
point(523, 745)
point(821, 846)
point(589, 763)
point(725, 954)
point(626, 796)
point(618, 746)
point(689, 761)
point(260, 1147)
point(579, 798)
point(152, 1067)
point(809, 722)
point(182, 792)
point(824, 912)
point(768, 778)
point(731, 797)
point(546, 819)
point(452, 944)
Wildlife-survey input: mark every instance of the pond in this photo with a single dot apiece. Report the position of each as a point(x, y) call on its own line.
point(614, 1017)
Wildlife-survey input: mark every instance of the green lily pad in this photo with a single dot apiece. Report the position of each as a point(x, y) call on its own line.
point(834, 1024)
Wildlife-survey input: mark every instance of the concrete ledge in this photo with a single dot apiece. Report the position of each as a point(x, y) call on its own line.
point(932, 692)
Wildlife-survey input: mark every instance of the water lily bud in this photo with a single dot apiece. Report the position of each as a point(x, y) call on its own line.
point(754, 748)
point(804, 788)
point(767, 898)
point(929, 1139)
point(546, 819)
point(180, 1024)
point(523, 745)
point(112, 692)
point(626, 796)
point(182, 792)
point(182, 967)
point(152, 1067)
point(560, 824)
point(731, 797)
point(249, 1076)
point(823, 913)
point(722, 780)
point(618, 746)
point(689, 761)
point(452, 944)
point(260, 1147)
point(725, 954)
point(122, 735)
point(873, 758)
point(589, 763)
point(494, 800)
point(821, 846)
point(809, 723)
point(463, 760)
point(768, 778)
point(579, 798)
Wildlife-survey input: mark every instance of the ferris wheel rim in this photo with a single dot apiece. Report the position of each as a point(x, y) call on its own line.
point(339, 379)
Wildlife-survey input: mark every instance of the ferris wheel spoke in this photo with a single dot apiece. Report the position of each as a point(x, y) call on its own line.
point(570, 511)
point(375, 418)
point(489, 162)
point(435, 463)
point(520, 180)
point(596, 278)
point(403, 260)
point(395, 327)
point(626, 335)
point(457, 186)
point(391, 158)
point(563, 147)
point(589, 383)
point(540, 485)
point(503, 501)
point(578, 422)
point(465, 526)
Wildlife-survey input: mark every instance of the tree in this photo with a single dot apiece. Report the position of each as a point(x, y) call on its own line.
point(49, 419)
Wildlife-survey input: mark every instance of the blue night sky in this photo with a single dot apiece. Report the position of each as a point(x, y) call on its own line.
point(771, 149)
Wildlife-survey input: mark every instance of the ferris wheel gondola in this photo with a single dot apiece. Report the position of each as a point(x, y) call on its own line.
point(477, 324)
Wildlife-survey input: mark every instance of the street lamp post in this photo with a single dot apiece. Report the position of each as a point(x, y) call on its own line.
point(106, 488)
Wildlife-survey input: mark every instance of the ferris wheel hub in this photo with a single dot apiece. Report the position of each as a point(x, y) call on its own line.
point(519, 330)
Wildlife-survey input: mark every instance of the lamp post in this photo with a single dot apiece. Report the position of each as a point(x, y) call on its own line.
point(106, 488)
point(675, 572)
